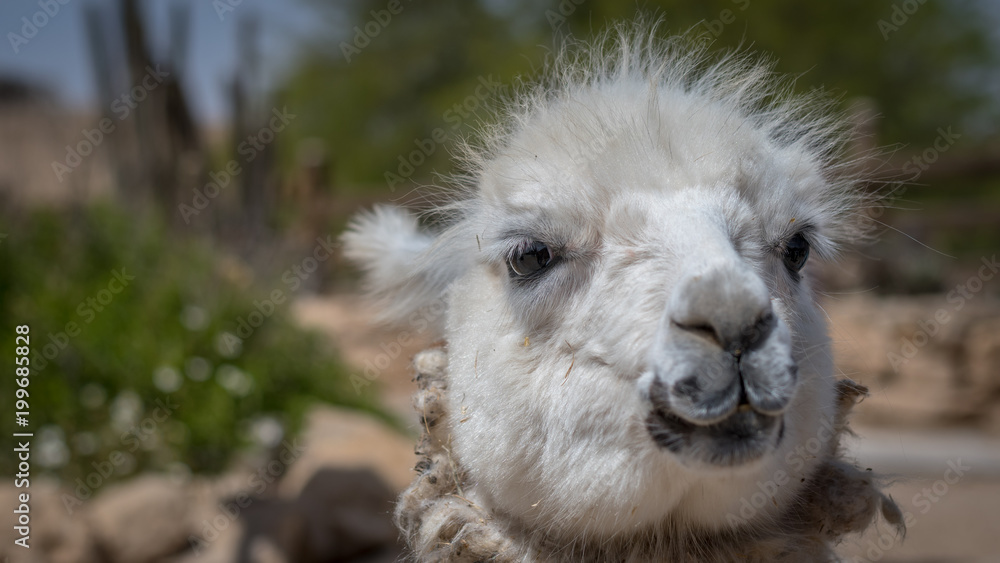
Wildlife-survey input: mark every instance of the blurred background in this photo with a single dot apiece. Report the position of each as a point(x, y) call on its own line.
point(206, 384)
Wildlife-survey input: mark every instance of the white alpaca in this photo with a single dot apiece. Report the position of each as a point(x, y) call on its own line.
point(633, 347)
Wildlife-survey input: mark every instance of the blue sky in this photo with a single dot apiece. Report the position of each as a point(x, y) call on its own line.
point(58, 58)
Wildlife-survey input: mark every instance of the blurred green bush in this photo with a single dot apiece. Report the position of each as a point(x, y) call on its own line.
point(153, 372)
point(379, 103)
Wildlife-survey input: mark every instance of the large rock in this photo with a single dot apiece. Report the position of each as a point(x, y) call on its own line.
point(142, 520)
point(340, 515)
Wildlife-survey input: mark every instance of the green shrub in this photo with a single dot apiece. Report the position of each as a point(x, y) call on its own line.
point(135, 356)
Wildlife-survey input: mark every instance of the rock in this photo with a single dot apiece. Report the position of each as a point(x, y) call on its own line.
point(332, 503)
point(340, 515)
point(56, 536)
point(214, 528)
point(142, 520)
point(350, 439)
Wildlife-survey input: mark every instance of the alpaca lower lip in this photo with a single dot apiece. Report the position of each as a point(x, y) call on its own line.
point(742, 437)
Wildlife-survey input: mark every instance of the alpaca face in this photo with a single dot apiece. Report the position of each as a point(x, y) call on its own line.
point(632, 337)
point(636, 336)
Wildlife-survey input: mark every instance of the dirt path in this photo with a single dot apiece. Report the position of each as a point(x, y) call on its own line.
point(374, 352)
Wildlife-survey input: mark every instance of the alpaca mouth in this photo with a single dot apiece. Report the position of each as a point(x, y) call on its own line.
point(744, 436)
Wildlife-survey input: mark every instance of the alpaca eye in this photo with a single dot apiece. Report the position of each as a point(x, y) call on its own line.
point(529, 259)
point(796, 252)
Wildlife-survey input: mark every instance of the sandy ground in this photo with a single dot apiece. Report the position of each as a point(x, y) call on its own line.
point(954, 517)
point(368, 348)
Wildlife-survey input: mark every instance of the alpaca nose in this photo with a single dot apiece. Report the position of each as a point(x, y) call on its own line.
point(721, 346)
point(727, 306)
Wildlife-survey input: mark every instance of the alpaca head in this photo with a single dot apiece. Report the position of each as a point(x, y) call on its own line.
point(631, 329)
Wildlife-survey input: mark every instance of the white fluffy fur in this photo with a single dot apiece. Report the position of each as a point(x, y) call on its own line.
point(644, 164)
point(387, 243)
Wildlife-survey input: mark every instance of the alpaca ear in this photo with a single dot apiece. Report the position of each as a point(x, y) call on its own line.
point(392, 251)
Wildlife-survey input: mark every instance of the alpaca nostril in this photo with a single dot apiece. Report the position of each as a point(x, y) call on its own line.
point(724, 306)
point(748, 336)
point(703, 330)
point(753, 333)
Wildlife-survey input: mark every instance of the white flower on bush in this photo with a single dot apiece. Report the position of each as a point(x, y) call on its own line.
point(234, 380)
point(167, 379)
point(194, 318)
point(86, 443)
point(267, 431)
point(52, 450)
point(126, 410)
point(197, 368)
